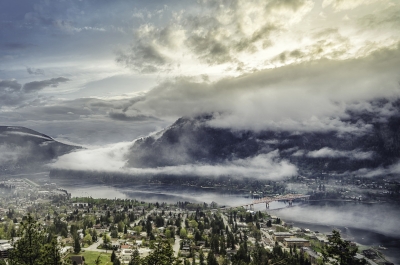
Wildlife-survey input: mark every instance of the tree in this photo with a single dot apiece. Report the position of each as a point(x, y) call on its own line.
point(113, 256)
point(88, 239)
point(34, 247)
point(114, 233)
point(77, 245)
point(201, 257)
point(135, 258)
point(162, 255)
point(106, 241)
point(149, 226)
point(211, 260)
point(341, 252)
point(183, 233)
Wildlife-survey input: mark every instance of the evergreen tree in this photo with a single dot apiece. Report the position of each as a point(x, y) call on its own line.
point(342, 251)
point(135, 258)
point(211, 260)
point(162, 255)
point(113, 256)
point(201, 257)
point(34, 247)
point(77, 245)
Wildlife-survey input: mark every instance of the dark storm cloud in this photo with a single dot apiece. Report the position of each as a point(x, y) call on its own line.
point(39, 85)
point(33, 71)
point(121, 116)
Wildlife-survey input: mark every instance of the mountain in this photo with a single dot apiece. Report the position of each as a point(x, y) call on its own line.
point(192, 140)
point(22, 148)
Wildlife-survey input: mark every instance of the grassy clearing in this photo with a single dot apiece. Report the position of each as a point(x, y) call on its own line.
point(91, 256)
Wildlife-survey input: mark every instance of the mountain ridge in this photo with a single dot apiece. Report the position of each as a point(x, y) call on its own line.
point(22, 148)
point(191, 140)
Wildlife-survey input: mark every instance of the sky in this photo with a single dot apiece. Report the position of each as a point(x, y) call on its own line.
point(97, 72)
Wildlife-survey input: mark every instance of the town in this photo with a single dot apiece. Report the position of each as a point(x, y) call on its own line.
point(128, 231)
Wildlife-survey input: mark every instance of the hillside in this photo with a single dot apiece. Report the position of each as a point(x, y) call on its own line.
point(22, 148)
point(192, 140)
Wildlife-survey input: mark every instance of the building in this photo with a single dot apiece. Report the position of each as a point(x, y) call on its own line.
point(126, 255)
point(298, 242)
point(311, 255)
point(279, 236)
point(4, 250)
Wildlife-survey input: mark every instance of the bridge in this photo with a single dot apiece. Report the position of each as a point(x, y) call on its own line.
point(267, 200)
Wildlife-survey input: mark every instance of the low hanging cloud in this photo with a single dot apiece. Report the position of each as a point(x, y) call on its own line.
point(327, 152)
point(393, 169)
point(10, 155)
point(349, 215)
point(112, 158)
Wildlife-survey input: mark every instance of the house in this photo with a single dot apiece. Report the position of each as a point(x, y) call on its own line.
point(312, 256)
point(77, 260)
point(4, 250)
point(126, 255)
point(323, 241)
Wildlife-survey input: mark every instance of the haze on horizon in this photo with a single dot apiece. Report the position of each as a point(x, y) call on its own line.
point(101, 74)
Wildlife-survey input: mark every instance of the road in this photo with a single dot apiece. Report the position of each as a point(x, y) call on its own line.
point(177, 244)
point(93, 247)
point(226, 222)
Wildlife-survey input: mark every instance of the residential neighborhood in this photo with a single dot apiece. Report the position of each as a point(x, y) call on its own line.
point(125, 231)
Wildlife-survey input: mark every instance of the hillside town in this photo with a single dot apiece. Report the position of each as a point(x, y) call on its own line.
point(117, 231)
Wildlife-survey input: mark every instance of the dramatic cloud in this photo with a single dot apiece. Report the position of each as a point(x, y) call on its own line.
point(39, 85)
point(305, 97)
point(215, 33)
point(243, 36)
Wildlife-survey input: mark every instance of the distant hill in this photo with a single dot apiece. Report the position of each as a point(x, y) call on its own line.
point(22, 148)
point(192, 140)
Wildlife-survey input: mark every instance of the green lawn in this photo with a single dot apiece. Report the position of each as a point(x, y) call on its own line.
point(91, 256)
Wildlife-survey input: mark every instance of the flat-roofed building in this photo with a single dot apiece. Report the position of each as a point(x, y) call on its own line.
point(298, 242)
point(4, 250)
point(279, 236)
